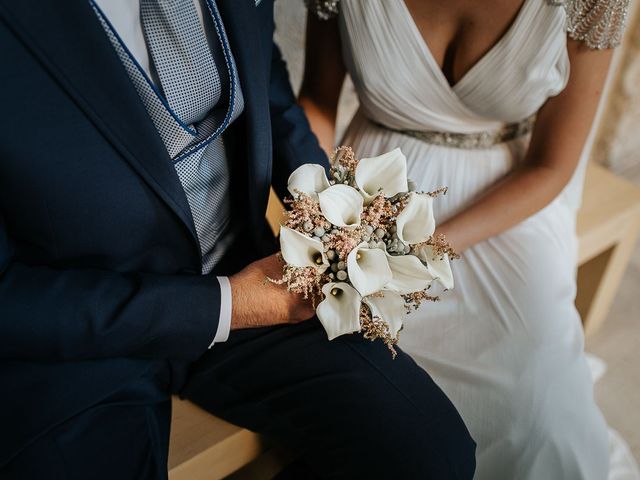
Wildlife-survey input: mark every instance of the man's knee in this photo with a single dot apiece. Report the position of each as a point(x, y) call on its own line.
point(442, 450)
point(398, 438)
point(415, 424)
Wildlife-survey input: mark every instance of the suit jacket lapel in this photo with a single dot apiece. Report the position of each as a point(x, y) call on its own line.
point(241, 23)
point(68, 40)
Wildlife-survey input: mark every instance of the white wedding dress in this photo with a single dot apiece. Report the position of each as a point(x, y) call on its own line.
point(506, 344)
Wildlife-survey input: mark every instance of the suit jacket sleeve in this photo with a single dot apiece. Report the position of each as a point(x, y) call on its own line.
point(294, 143)
point(51, 314)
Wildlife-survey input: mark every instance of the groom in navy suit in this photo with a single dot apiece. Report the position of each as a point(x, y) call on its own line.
point(138, 142)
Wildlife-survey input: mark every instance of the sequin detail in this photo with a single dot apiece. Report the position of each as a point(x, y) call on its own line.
point(599, 24)
point(323, 9)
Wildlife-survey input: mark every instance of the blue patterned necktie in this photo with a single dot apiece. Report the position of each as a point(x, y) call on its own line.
point(181, 56)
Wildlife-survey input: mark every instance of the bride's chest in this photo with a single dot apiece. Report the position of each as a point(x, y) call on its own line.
point(392, 64)
point(459, 33)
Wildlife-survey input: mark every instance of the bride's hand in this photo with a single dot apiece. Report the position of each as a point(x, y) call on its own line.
point(256, 302)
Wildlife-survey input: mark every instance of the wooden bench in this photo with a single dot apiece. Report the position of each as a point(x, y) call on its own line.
point(608, 226)
point(204, 447)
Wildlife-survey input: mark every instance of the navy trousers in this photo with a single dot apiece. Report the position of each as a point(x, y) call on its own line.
point(124, 437)
point(345, 407)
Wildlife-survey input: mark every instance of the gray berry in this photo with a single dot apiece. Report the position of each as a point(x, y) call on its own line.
point(331, 255)
point(341, 265)
point(307, 226)
point(341, 275)
point(379, 233)
point(318, 232)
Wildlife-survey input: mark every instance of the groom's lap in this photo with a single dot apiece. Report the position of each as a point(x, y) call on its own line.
point(346, 407)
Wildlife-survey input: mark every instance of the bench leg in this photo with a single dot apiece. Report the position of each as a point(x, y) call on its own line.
point(599, 278)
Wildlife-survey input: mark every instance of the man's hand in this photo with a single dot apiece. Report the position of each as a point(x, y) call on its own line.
point(260, 303)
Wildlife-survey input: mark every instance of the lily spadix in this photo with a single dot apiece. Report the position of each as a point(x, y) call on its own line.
point(416, 223)
point(368, 269)
point(309, 179)
point(386, 173)
point(390, 307)
point(409, 274)
point(341, 205)
point(302, 251)
point(339, 312)
point(437, 264)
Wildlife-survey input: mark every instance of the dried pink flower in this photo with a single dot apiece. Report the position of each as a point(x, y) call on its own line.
point(345, 157)
point(440, 246)
point(304, 210)
point(374, 328)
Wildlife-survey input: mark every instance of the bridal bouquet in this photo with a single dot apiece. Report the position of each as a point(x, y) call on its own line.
point(362, 243)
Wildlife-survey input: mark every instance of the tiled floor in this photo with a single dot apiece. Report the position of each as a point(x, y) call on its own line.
point(618, 344)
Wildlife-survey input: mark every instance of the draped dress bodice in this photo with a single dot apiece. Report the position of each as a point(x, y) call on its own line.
point(510, 82)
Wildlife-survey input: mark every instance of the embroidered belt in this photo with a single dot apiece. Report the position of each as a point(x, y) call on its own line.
point(476, 140)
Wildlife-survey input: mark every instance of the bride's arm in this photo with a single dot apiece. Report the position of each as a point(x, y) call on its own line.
point(324, 74)
point(558, 138)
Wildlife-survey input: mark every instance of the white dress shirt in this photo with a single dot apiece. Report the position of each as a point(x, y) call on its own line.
point(124, 15)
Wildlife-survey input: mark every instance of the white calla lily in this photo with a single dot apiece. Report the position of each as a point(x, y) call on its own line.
point(416, 222)
point(386, 173)
point(341, 205)
point(339, 312)
point(390, 307)
point(409, 274)
point(309, 179)
point(368, 269)
point(438, 265)
point(302, 251)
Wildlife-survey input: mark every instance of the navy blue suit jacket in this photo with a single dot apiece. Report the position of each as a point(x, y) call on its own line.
point(99, 257)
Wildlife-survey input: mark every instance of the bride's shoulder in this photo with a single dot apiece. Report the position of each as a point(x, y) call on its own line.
point(323, 9)
point(598, 23)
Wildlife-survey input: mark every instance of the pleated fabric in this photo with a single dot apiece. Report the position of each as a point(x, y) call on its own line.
point(506, 344)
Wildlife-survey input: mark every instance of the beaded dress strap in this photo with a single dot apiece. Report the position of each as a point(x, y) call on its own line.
point(323, 9)
point(599, 24)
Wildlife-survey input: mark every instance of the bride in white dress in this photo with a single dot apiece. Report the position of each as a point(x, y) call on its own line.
point(455, 84)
